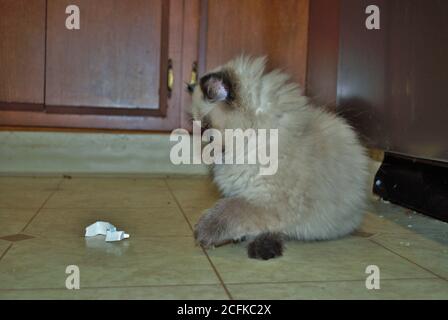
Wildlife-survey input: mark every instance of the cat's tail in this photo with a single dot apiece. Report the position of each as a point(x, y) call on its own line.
point(266, 246)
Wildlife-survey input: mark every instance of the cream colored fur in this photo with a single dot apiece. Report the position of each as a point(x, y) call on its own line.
point(319, 191)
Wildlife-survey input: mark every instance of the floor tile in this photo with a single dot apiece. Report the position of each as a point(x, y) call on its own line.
point(26, 193)
point(3, 246)
point(111, 193)
point(141, 222)
point(13, 221)
point(194, 196)
point(389, 289)
point(194, 213)
point(429, 250)
point(41, 263)
point(344, 259)
point(389, 218)
point(33, 183)
point(374, 223)
point(68, 199)
point(160, 260)
point(26, 199)
point(86, 184)
point(203, 292)
point(194, 192)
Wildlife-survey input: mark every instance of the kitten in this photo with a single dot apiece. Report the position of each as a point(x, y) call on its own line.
point(320, 188)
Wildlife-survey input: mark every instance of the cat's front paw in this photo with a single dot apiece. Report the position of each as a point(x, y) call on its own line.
point(210, 231)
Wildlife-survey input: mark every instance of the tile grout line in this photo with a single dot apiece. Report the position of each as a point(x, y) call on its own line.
point(178, 205)
point(217, 274)
point(203, 250)
point(409, 260)
point(385, 233)
point(214, 284)
point(325, 281)
point(6, 251)
point(31, 219)
point(42, 206)
point(118, 287)
point(135, 237)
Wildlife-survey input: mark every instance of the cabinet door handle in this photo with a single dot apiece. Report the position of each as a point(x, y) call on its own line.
point(193, 77)
point(170, 78)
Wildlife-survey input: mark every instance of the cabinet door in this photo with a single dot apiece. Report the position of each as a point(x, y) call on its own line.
point(112, 73)
point(277, 29)
point(116, 63)
point(22, 50)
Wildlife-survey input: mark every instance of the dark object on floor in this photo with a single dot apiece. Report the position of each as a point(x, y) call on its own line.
point(266, 246)
point(420, 185)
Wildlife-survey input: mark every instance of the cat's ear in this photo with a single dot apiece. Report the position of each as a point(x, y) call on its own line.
point(217, 87)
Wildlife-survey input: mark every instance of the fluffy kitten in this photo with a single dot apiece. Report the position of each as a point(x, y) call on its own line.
point(319, 190)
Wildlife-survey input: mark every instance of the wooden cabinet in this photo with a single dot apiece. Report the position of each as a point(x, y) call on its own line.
point(323, 51)
point(22, 53)
point(113, 72)
point(388, 82)
point(115, 64)
point(278, 29)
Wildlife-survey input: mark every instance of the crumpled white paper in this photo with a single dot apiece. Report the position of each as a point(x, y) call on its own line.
point(106, 229)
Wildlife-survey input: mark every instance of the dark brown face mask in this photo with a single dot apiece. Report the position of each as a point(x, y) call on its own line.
point(217, 86)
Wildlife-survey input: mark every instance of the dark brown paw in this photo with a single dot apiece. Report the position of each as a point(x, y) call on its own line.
point(266, 246)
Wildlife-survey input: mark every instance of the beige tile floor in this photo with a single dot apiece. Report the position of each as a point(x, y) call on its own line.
point(42, 222)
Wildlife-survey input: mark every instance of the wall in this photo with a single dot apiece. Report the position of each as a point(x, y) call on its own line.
point(78, 153)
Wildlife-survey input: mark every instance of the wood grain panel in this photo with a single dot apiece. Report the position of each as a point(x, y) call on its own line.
point(105, 122)
point(276, 28)
point(190, 54)
point(418, 76)
point(362, 80)
point(113, 61)
point(392, 81)
point(323, 51)
point(22, 50)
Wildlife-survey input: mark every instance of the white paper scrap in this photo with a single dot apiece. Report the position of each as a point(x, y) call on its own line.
point(106, 229)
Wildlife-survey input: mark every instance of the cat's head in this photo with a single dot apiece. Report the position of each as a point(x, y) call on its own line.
point(225, 97)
